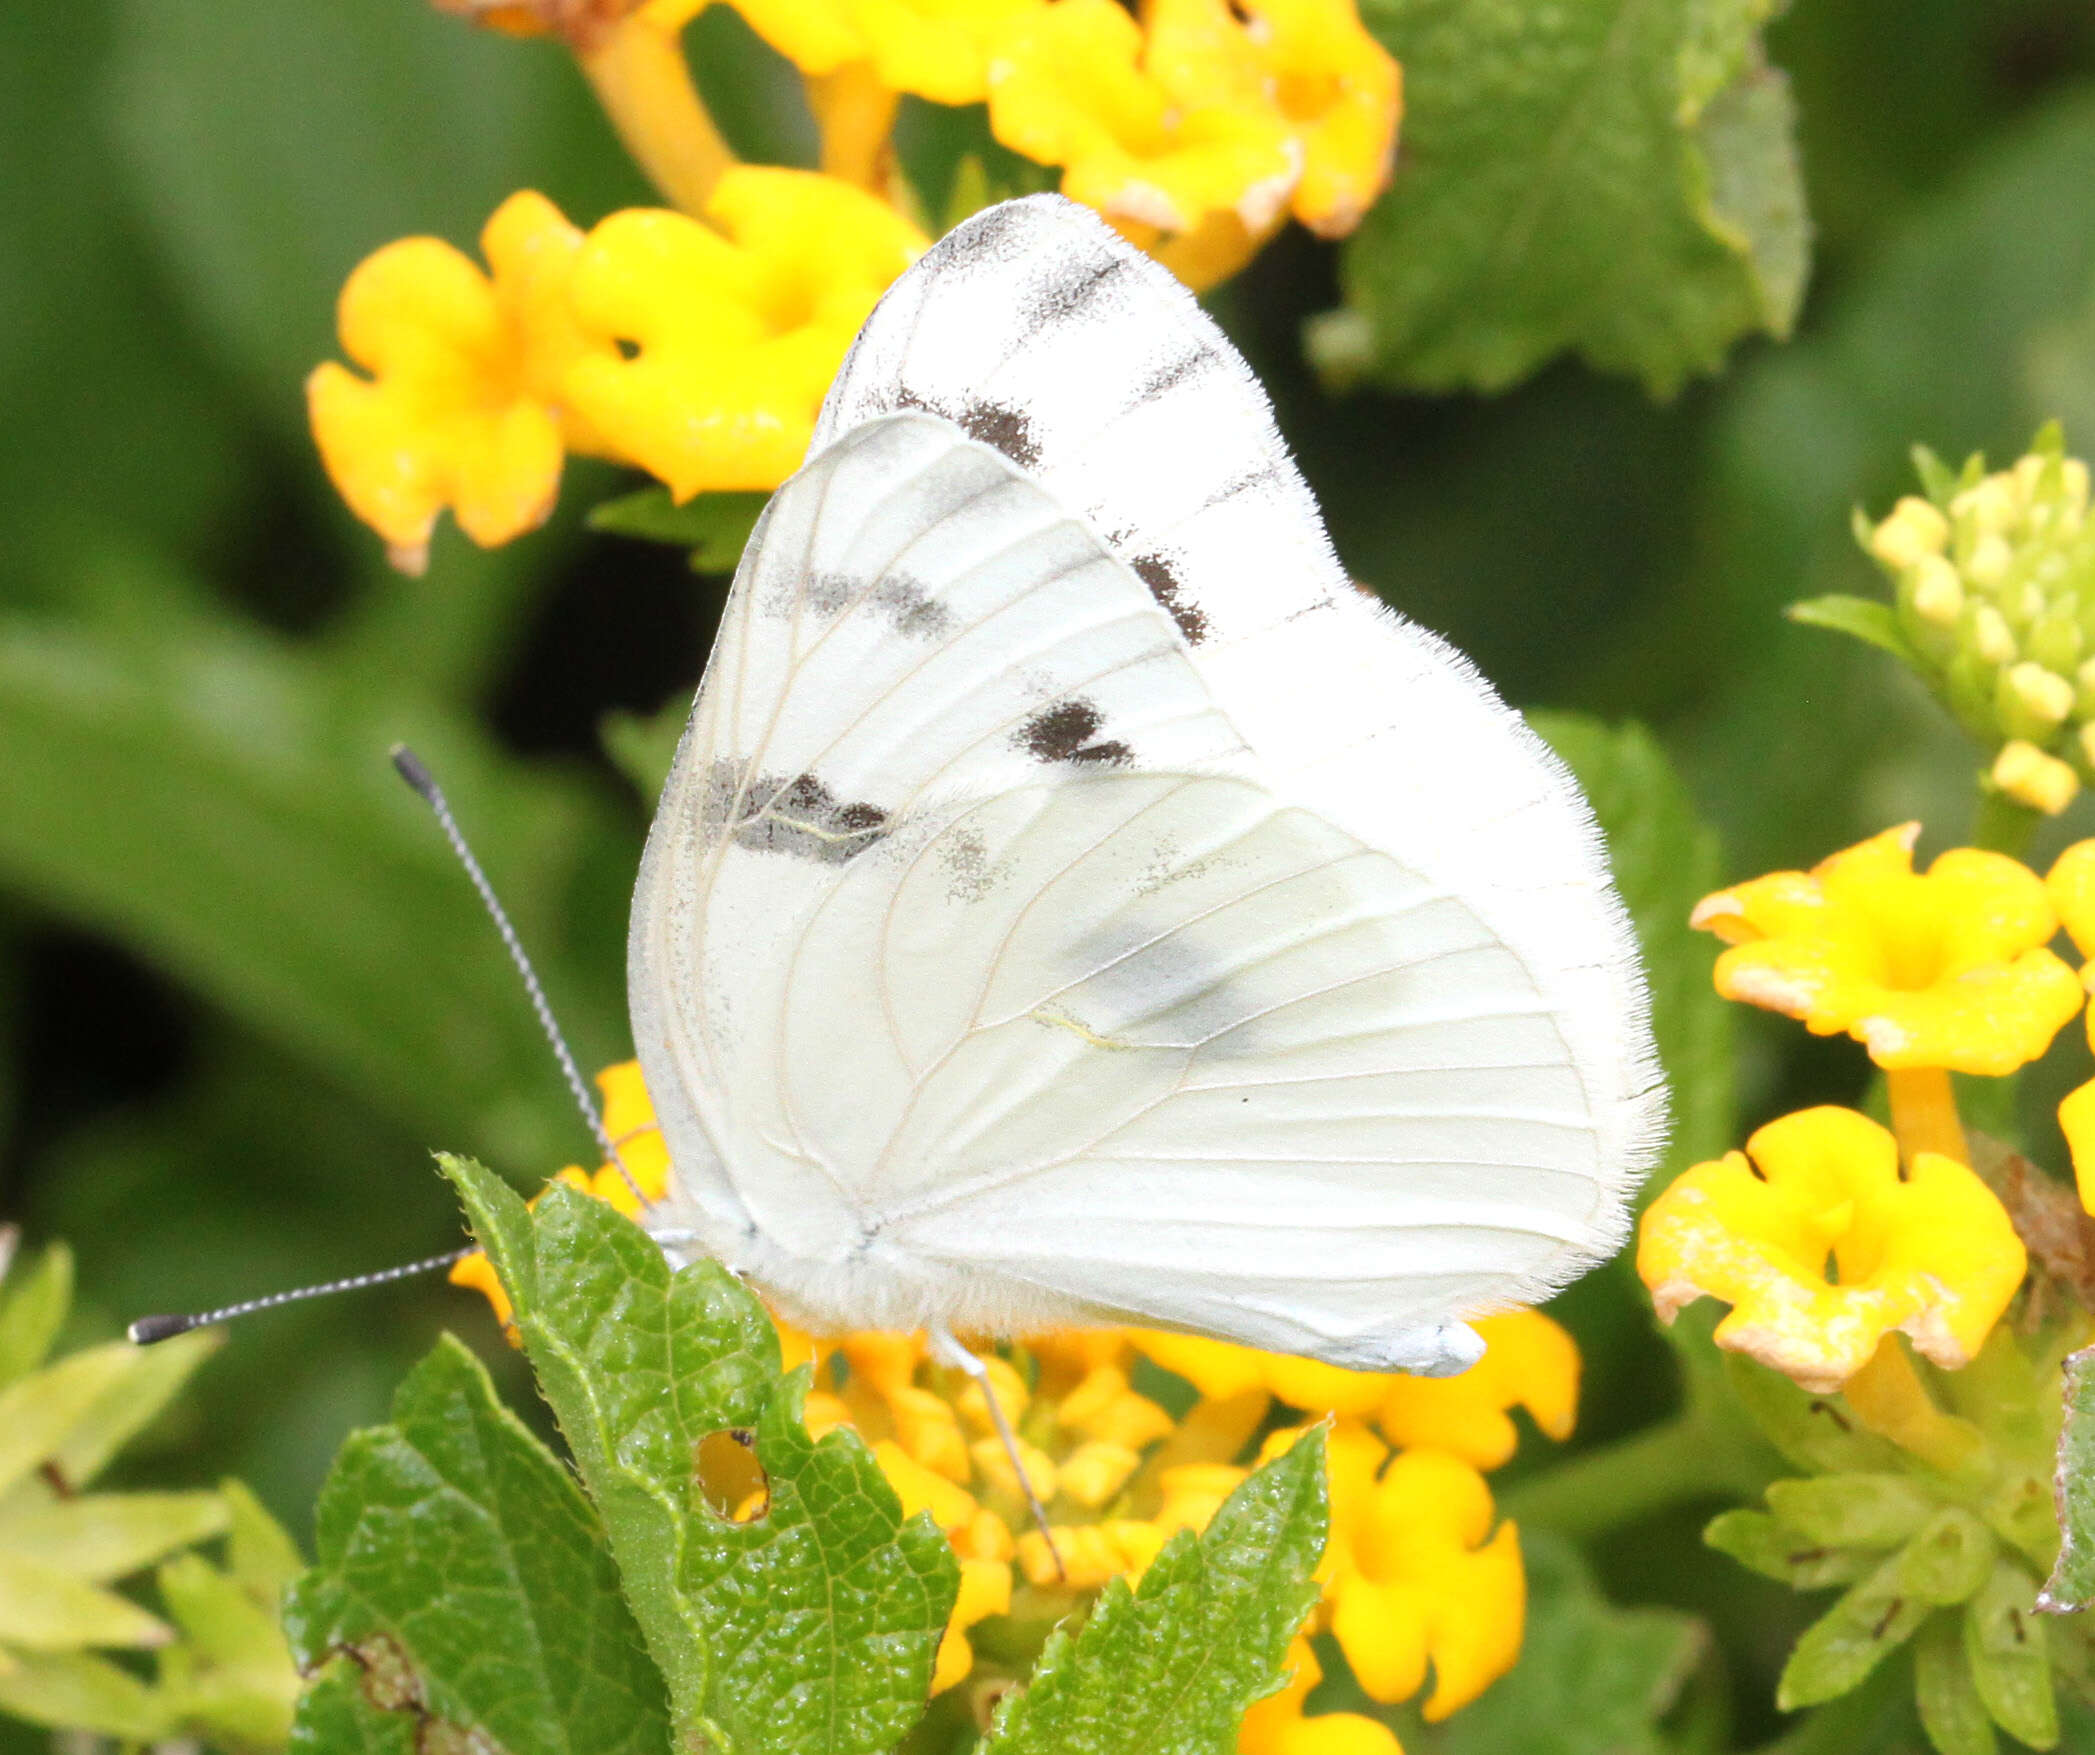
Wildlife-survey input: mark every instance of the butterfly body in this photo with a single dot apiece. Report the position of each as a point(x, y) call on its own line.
point(1074, 902)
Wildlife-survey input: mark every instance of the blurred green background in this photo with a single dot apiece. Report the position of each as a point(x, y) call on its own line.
point(244, 989)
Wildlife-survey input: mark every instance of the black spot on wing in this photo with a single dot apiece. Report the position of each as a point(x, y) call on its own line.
point(988, 423)
point(1164, 585)
point(1167, 378)
point(1068, 732)
point(1002, 429)
point(796, 815)
point(904, 601)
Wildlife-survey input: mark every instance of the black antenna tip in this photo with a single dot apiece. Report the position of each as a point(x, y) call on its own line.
point(148, 1329)
point(409, 766)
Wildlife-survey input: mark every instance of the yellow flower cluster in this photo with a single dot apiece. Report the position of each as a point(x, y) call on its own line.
point(1945, 971)
point(1419, 1576)
point(697, 344)
point(1993, 580)
point(698, 352)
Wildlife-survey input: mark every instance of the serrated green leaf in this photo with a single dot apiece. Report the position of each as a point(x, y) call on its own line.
point(337, 1717)
point(810, 1628)
point(43, 1609)
point(1951, 1711)
point(714, 527)
point(458, 1538)
point(1762, 1542)
point(105, 1536)
point(75, 1691)
point(1862, 618)
point(1665, 860)
point(1169, 1667)
point(38, 1295)
point(1839, 1650)
point(1594, 177)
point(1592, 1679)
point(1852, 1510)
point(2072, 1581)
point(2004, 1644)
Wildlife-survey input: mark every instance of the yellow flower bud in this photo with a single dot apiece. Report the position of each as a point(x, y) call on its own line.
point(1991, 557)
point(1938, 591)
point(1914, 528)
point(1990, 636)
point(993, 1464)
point(2029, 776)
point(2043, 695)
point(1096, 1470)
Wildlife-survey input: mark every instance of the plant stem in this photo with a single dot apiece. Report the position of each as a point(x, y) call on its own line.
point(2002, 825)
point(1668, 1464)
point(1924, 1113)
point(640, 76)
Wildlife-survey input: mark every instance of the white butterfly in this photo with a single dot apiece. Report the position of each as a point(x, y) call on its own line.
point(1075, 902)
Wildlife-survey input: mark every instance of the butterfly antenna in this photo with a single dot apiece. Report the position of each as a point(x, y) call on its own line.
point(410, 768)
point(148, 1329)
point(951, 1352)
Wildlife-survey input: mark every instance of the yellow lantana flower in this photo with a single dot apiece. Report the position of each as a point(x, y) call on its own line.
point(1418, 1576)
point(1067, 87)
point(736, 331)
point(1529, 1362)
point(1933, 1254)
point(2071, 883)
point(936, 49)
point(464, 407)
point(1946, 969)
point(1335, 88)
point(1275, 1725)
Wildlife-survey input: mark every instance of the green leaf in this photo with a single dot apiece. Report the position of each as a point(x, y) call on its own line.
point(37, 1298)
point(249, 835)
point(151, 1378)
point(811, 1627)
point(642, 748)
point(1814, 1432)
point(1838, 1651)
point(39, 1413)
point(232, 1678)
point(1852, 1510)
point(454, 1538)
point(1948, 1560)
point(1764, 1543)
point(1863, 618)
point(2005, 1646)
point(102, 1537)
point(43, 1609)
point(1665, 860)
point(260, 1554)
point(75, 1691)
point(2072, 1582)
point(714, 527)
point(1169, 1667)
point(337, 1716)
point(1592, 1679)
point(1596, 177)
point(1951, 1711)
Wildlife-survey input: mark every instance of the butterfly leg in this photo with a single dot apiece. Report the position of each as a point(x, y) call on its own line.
point(949, 1351)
